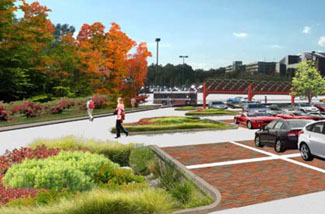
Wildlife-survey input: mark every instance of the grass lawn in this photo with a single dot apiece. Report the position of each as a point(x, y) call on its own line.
point(210, 112)
point(64, 115)
point(174, 124)
point(187, 108)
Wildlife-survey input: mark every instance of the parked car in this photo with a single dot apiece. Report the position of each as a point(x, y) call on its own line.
point(301, 115)
point(281, 107)
point(255, 107)
point(305, 107)
point(254, 120)
point(218, 105)
point(320, 106)
point(311, 141)
point(280, 134)
point(234, 102)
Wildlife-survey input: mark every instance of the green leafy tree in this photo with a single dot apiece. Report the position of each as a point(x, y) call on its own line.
point(308, 82)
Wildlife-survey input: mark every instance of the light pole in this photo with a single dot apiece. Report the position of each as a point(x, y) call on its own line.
point(183, 57)
point(157, 40)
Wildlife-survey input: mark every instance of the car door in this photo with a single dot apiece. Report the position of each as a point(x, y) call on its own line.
point(317, 139)
point(264, 133)
point(273, 133)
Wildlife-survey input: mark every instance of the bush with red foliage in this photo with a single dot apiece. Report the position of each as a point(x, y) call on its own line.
point(66, 104)
point(3, 113)
point(8, 194)
point(99, 101)
point(18, 155)
point(29, 109)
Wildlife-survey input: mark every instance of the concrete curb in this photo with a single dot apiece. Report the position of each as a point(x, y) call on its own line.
point(202, 184)
point(51, 122)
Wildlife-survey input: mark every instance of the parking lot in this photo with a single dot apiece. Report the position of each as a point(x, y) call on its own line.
point(246, 175)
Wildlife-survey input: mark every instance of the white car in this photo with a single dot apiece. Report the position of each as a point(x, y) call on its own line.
point(305, 107)
point(311, 142)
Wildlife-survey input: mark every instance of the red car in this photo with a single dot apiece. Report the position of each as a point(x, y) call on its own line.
point(255, 120)
point(301, 115)
point(320, 106)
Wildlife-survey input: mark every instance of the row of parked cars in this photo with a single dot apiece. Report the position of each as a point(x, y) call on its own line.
point(283, 126)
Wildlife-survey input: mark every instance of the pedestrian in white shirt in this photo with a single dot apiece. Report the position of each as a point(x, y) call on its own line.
point(90, 109)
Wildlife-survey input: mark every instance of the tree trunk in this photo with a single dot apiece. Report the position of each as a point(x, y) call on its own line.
point(309, 98)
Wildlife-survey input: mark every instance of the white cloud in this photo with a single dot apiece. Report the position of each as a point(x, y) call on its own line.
point(321, 41)
point(276, 46)
point(306, 30)
point(240, 35)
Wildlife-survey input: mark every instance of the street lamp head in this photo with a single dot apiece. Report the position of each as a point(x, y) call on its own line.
point(157, 39)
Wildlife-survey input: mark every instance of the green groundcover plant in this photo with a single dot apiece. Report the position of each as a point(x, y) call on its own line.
point(72, 170)
point(174, 123)
point(210, 112)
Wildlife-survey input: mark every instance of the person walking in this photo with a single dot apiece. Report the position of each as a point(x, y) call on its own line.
point(90, 109)
point(120, 116)
point(133, 103)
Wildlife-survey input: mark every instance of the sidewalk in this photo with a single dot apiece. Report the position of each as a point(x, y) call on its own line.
point(51, 122)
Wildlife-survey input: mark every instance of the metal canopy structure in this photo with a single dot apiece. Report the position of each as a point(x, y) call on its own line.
point(249, 87)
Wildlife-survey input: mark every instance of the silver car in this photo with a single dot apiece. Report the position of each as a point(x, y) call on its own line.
point(311, 142)
point(305, 107)
point(255, 107)
point(218, 105)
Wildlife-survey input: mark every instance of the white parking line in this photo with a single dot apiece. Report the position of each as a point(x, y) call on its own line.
point(282, 157)
point(198, 166)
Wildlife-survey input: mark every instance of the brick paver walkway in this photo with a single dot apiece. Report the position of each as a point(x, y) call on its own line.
point(246, 183)
point(210, 153)
point(252, 183)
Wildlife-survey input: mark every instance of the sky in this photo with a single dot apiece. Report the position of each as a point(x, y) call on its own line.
point(213, 33)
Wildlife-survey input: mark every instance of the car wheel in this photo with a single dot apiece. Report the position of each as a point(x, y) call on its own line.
point(305, 152)
point(236, 121)
point(187, 103)
point(258, 142)
point(249, 125)
point(278, 146)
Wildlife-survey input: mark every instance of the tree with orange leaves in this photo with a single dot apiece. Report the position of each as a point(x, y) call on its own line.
point(104, 56)
point(137, 69)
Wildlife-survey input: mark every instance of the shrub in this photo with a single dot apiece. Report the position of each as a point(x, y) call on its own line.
point(116, 152)
point(100, 101)
point(3, 113)
point(124, 176)
point(29, 109)
point(140, 159)
point(72, 170)
point(66, 104)
point(18, 155)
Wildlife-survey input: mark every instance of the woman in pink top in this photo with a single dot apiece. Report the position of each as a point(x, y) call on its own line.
point(120, 116)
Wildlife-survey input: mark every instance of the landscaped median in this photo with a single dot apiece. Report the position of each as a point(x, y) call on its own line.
point(187, 108)
point(210, 112)
point(173, 124)
point(76, 176)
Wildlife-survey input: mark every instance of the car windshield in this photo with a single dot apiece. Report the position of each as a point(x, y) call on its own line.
point(305, 105)
point(256, 106)
point(298, 123)
point(217, 103)
point(259, 114)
